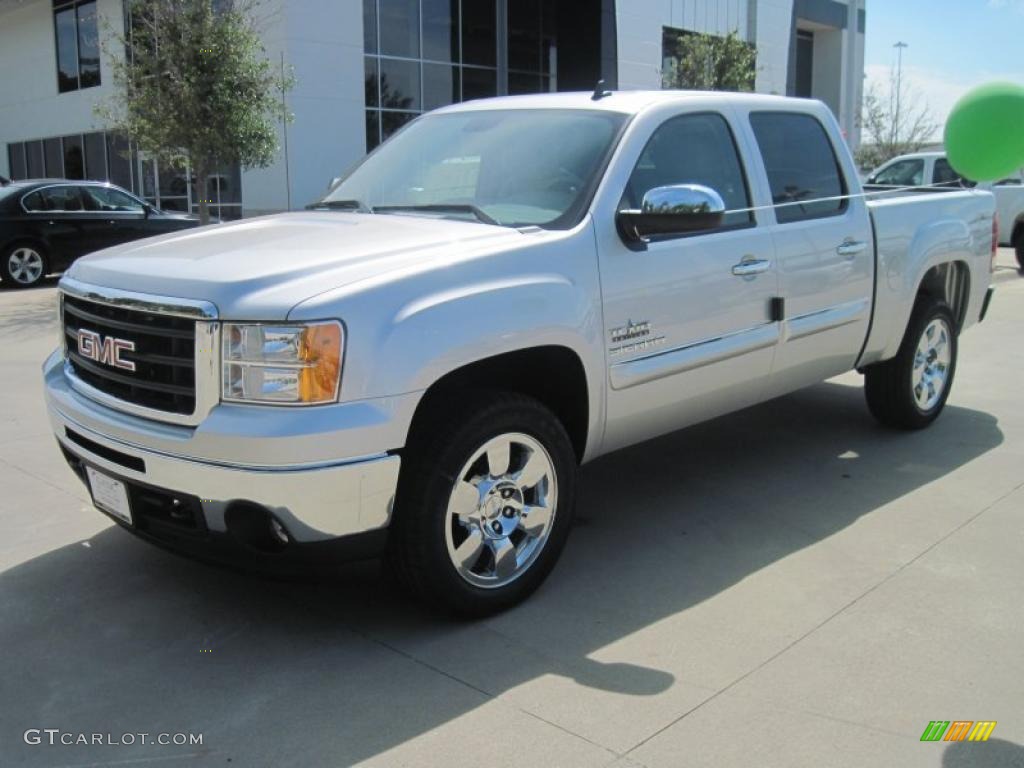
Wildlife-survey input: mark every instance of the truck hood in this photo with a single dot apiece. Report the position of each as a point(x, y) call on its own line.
point(258, 269)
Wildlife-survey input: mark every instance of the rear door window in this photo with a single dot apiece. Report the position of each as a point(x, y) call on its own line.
point(53, 199)
point(802, 169)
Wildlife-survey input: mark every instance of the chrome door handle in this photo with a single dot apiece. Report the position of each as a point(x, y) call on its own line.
point(851, 247)
point(751, 267)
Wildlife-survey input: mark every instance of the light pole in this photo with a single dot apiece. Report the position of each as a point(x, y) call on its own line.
point(899, 46)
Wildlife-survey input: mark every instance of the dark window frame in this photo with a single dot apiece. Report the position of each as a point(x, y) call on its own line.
point(64, 5)
point(844, 187)
point(752, 221)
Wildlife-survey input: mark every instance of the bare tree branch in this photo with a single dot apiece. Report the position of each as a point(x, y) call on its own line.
point(889, 133)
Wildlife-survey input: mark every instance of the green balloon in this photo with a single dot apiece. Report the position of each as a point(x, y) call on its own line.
point(985, 132)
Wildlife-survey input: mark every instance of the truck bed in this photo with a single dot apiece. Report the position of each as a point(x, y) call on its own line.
point(914, 232)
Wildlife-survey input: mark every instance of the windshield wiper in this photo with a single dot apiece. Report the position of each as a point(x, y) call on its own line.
point(341, 205)
point(442, 208)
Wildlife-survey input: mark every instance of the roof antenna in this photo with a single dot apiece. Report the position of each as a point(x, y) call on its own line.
point(599, 91)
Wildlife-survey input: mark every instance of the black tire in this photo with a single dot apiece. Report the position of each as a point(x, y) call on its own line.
point(889, 386)
point(1018, 246)
point(441, 444)
point(7, 259)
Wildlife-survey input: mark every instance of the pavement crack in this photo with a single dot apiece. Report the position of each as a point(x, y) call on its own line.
point(483, 692)
point(43, 480)
point(827, 619)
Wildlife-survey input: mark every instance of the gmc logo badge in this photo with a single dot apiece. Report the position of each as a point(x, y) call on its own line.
point(105, 350)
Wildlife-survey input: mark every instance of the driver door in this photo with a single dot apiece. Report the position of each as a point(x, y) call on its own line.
point(688, 324)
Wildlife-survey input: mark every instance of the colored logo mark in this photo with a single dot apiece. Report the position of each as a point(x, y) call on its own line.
point(958, 730)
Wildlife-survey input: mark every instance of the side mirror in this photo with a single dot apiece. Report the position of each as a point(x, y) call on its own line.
point(334, 183)
point(673, 210)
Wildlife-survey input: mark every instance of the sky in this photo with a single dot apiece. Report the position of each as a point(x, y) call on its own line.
point(954, 45)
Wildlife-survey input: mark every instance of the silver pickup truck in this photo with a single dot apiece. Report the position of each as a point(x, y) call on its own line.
point(506, 289)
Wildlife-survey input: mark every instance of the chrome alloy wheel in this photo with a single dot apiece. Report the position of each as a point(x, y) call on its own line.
point(931, 364)
point(25, 265)
point(501, 510)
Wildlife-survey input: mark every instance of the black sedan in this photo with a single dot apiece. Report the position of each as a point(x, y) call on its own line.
point(47, 224)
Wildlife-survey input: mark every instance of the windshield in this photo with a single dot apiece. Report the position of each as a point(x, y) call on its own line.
point(509, 167)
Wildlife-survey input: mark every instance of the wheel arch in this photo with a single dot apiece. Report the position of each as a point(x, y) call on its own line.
point(1017, 235)
point(949, 281)
point(38, 242)
point(552, 374)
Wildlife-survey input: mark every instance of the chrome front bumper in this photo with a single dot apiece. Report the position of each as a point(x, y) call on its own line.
point(316, 499)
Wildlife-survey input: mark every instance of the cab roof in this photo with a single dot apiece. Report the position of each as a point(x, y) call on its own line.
point(625, 102)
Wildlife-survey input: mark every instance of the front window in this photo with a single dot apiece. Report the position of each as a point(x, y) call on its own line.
point(106, 199)
point(509, 167)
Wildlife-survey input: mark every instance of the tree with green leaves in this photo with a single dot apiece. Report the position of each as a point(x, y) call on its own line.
point(193, 83)
point(704, 62)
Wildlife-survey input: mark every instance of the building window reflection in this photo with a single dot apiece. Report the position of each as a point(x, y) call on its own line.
point(425, 54)
point(78, 44)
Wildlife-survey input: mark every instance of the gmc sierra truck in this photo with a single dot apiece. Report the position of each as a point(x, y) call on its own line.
point(504, 290)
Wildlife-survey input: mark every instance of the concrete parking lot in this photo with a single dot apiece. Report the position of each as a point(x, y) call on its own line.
point(787, 586)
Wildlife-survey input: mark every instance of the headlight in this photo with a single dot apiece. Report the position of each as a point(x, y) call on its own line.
point(294, 363)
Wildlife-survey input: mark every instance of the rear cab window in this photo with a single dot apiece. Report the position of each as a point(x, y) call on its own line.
point(946, 176)
point(803, 171)
point(905, 173)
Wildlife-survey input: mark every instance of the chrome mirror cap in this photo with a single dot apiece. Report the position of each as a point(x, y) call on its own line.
point(673, 210)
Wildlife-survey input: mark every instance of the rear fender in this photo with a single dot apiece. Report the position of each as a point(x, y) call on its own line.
point(902, 267)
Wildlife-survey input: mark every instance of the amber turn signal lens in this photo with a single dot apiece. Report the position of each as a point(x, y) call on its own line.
point(320, 349)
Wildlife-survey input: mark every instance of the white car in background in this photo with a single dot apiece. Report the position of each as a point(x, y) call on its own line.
point(924, 169)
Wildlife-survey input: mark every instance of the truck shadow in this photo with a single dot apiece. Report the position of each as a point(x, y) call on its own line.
point(994, 753)
point(112, 635)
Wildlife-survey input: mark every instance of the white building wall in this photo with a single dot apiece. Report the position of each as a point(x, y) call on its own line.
point(322, 42)
point(30, 107)
point(851, 92)
point(774, 29)
point(639, 24)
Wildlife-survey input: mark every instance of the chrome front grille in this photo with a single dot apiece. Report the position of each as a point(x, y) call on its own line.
point(163, 356)
point(166, 367)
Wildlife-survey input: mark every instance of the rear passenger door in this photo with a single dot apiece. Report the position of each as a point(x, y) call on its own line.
point(56, 215)
point(823, 249)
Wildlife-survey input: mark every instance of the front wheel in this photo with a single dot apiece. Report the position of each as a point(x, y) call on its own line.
point(910, 390)
point(484, 504)
point(22, 266)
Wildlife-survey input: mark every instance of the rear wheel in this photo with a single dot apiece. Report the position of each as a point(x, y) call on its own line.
point(910, 391)
point(22, 265)
point(484, 504)
point(1018, 246)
